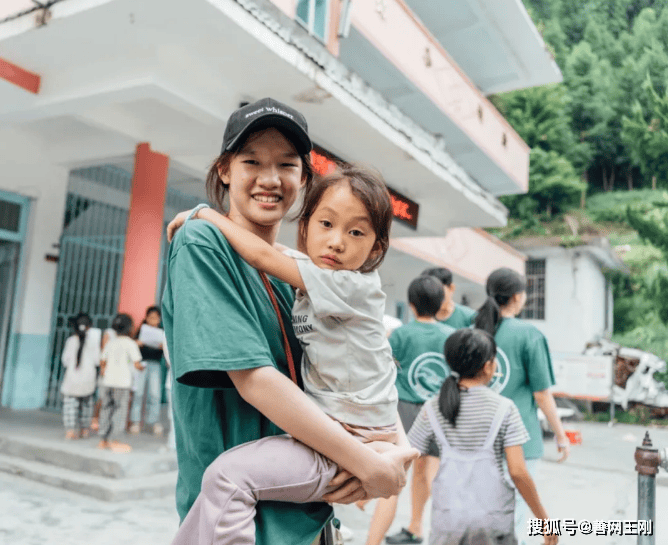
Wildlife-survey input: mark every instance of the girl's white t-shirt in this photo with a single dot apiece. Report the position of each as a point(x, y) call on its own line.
point(80, 381)
point(120, 354)
point(347, 368)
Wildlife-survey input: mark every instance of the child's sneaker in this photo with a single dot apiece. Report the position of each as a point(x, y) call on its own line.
point(158, 430)
point(134, 429)
point(403, 537)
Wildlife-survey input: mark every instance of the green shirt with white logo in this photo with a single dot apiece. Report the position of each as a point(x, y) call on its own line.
point(526, 367)
point(218, 317)
point(418, 349)
point(461, 317)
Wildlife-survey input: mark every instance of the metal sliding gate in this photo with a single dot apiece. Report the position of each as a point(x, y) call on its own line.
point(90, 262)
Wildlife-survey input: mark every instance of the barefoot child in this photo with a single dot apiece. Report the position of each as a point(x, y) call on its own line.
point(347, 367)
point(475, 428)
point(119, 356)
point(81, 358)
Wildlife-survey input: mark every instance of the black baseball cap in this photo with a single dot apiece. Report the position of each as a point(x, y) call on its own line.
point(263, 114)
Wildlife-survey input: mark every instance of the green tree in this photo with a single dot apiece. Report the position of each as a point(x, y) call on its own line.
point(652, 226)
point(554, 186)
point(645, 133)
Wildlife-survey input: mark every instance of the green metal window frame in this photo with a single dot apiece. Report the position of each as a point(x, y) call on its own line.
point(19, 237)
point(309, 22)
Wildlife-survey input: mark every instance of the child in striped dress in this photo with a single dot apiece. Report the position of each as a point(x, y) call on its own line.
point(478, 433)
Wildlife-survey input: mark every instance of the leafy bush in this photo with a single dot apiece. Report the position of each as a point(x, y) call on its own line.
point(612, 206)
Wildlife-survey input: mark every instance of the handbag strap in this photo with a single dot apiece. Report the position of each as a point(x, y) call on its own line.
point(286, 344)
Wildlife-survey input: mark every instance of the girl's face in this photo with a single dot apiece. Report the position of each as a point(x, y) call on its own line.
point(264, 180)
point(153, 319)
point(339, 234)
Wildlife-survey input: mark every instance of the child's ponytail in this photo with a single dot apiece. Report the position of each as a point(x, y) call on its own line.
point(466, 353)
point(80, 324)
point(502, 284)
point(449, 398)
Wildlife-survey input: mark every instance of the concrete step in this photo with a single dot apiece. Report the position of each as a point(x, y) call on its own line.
point(83, 457)
point(104, 488)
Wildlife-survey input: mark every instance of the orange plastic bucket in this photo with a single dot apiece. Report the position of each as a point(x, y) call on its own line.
point(574, 437)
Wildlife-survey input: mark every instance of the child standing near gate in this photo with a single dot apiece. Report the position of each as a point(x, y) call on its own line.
point(478, 432)
point(119, 356)
point(81, 359)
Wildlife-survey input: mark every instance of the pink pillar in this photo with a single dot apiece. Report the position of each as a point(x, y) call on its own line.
point(144, 233)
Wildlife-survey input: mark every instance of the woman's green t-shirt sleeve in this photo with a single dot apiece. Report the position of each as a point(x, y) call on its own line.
point(215, 328)
point(540, 373)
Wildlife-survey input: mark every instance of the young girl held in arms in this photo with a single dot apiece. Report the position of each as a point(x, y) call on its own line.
point(347, 367)
point(475, 429)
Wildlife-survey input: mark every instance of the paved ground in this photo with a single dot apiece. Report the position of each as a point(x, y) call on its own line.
point(598, 483)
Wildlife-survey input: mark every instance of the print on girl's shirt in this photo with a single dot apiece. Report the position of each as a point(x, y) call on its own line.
point(502, 375)
point(300, 324)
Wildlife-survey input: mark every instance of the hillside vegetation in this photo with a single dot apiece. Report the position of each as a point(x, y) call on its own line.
point(599, 149)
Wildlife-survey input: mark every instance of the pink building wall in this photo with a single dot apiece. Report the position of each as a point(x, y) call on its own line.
point(471, 253)
point(404, 40)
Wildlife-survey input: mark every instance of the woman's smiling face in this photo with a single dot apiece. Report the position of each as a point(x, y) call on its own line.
point(264, 179)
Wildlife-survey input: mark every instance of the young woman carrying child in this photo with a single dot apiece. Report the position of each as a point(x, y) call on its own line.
point(81, 359)
point(476, 429)
point(229, 337)
point(347, 369)
point(119, 356)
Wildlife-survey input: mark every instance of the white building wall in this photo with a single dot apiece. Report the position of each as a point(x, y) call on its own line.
point(575, 298)
point(26, 171)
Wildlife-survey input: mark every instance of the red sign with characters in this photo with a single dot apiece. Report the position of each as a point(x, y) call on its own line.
point(403, 208)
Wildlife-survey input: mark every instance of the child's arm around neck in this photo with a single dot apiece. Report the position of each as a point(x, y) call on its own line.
point(256, 252)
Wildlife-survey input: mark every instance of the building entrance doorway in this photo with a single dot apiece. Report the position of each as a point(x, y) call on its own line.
point(13, 221)
point(9, 263)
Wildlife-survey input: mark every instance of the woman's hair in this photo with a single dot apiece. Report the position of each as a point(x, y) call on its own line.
point(443, 274)
point(425, 293)
point(149, 310)
point(369, 187)
point(216, 189)
point(80, 324)
point(466, 353)
point(502, 284)
point(122, 324)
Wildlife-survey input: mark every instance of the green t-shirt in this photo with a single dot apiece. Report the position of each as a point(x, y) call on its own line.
point(218, 317)
point(461, 317)
point(418, 349)
point(526, 367)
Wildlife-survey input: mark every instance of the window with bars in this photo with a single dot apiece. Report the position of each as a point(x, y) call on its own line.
point(313, 14)
point(535, 305)
point(10, 216)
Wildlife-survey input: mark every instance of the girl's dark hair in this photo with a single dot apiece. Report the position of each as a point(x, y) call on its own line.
point(369, 187)
point(149, 310)
point(122, 324)
point(466, 352)
point(502, 284)
point(443, 274)
point(216, 189)
point(425, 293)
point(80, 324)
